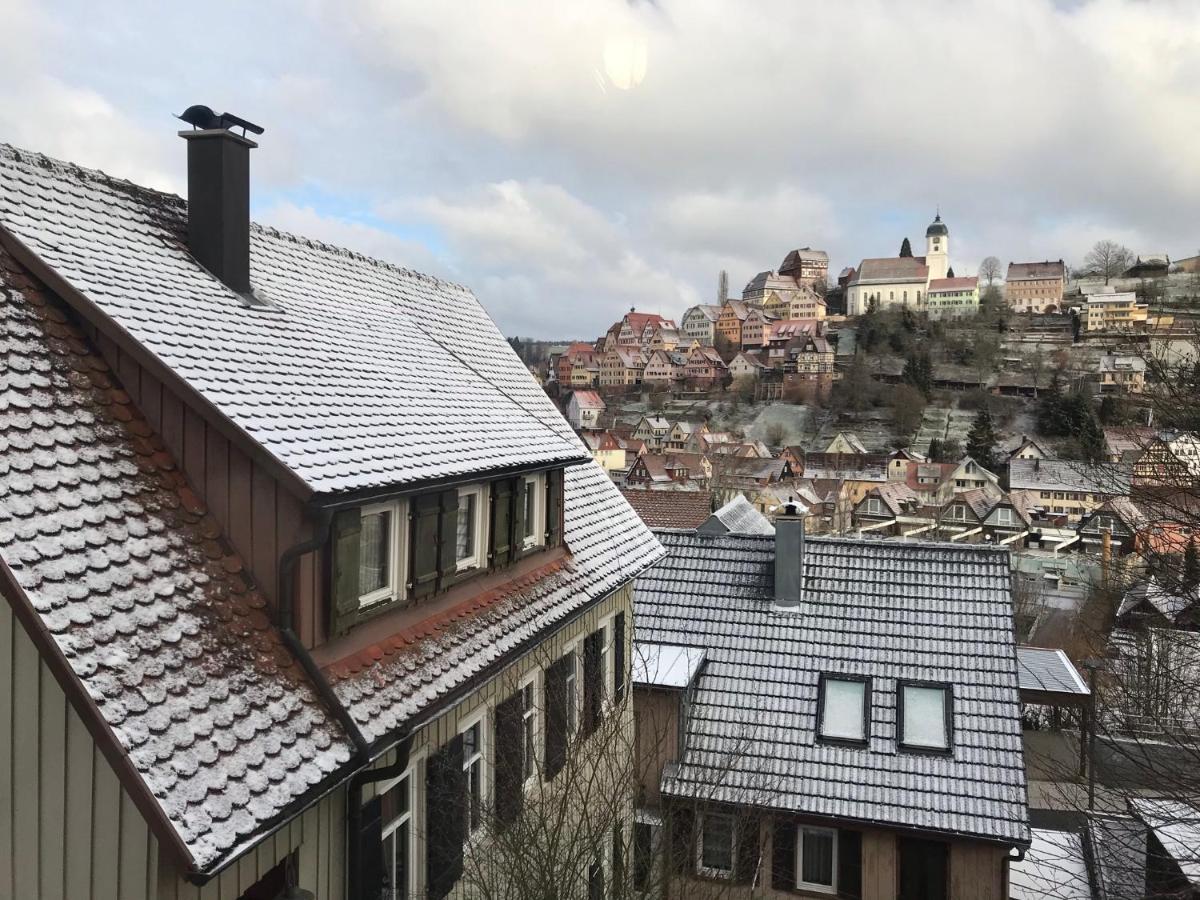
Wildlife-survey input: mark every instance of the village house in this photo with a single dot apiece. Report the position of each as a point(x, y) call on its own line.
point(635, 330)
point(653, 430)
point(281, 573)
point(699, 323)
point(1149, 265)
point(917, 739)
point(665, 368)
point(746, 475)
point(1026, 448)
point(949, 298)
point(621, 367)
point(812, 356)
point(584, 410)
point(606, 450)
point(756, 329)
point(566, 361)
point(729, 325)
point(786, 335)
point(681, 433)
point(900, 280)
point(747, 365)
point(585, 370)
point(662, 336)
point(890, 509)
point(1120, 519)
point(669, 471)
point(1121, 374)
point(705, 368)
point(1067, 488)
point(1107, 310)
point(1035, 287)
point(670, 509)
point(706, 442)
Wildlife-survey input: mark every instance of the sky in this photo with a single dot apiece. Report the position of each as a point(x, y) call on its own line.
point(570, 160)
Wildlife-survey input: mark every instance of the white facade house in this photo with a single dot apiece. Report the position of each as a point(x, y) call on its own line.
point(901, 280)
point(584, 410)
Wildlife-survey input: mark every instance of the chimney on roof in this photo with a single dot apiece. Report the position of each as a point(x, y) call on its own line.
point(789, 557)
point(219, 194)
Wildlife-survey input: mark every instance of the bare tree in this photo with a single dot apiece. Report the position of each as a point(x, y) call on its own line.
point(1108, 258)
point(989, 270)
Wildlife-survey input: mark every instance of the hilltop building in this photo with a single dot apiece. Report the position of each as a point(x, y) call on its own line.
point(1035, 287)
point(901, 280)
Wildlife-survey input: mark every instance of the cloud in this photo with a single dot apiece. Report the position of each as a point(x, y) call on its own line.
point(568, 160)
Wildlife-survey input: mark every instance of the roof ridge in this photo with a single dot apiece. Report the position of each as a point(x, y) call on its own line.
point(61, 166)
point(99, 176)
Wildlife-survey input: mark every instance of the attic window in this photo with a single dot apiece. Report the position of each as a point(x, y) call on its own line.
point(925, 716)
point(843, 708)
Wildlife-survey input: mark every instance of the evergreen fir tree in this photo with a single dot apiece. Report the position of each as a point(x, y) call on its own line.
point(918, 371)
point(981, 439)
point(950, 272)
point(935, 450)
point(905, 249)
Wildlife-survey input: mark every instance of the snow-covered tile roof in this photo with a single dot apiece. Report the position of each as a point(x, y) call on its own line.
point(666, 665)
point(882, 609)
point(149, 606)
point(358, 374)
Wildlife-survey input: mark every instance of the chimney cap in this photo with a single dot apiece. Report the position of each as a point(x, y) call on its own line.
point(203, 118)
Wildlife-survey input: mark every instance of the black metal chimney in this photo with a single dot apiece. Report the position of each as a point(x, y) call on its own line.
point(789, 557)
point(219, 194)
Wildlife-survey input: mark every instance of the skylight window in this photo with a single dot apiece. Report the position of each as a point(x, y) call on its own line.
point(843, 708)
point(925, 716)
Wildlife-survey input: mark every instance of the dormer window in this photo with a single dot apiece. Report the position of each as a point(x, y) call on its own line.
point(925, 715)
point(843, 708)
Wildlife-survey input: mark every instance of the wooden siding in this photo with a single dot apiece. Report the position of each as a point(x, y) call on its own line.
point(260, 517)
point(68, 830)
point(656, 713)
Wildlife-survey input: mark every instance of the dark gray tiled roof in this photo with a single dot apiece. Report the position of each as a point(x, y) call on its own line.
point(937, 612)
point(362, 375)
point(145, 600)
point(608, 546)
point(1043, 669)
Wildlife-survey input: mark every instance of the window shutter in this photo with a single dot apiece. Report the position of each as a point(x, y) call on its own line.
point(445, 817)
point(554, 507)
point(783, 856)
point(509, 759)
point(448, 538)
point(849, 863)
point(518, 517)
point(683, 843)
point(370, 851)
point(592, 688)
point(556, 717)
point(619, 656)
point(618, 863)
point(501, 530)
point(344, 592)
point(746, 864)
point(424, 525)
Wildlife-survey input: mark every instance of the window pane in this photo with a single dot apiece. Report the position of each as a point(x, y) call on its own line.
point(373, 552)
point(816, 857)
point(530, 508)
point(925, 717)
point(642, 849)
point(843, 710)
point(717, 848)
point(391, 873)
point(465, 538)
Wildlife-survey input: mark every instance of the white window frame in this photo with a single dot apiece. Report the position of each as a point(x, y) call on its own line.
point(531, 719)
point(475, 560)
point(606, 663)
point(801, 884)
point(410, 817)
point(1004, 516)
point(574, 697)
point(709, 871)
point(397, 587)
point(536, 537)
point(874, 506)
point(480, 757)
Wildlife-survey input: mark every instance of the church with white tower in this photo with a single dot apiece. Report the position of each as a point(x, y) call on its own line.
point(901, 280)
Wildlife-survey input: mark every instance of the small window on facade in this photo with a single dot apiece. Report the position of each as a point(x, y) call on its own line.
point(874, 506)
point(473, 767)
point(843, 709)
point(469, 538)
point(534, 501)
point(596, 879)
point(397, 838)
point(715, 853)
point(643, 855)
point(925, 716)
point(375, 561)
point(572, 692)
point(528, 733)
point(816, 859)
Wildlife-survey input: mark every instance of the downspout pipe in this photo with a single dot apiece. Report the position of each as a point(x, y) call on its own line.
point(354, 792)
